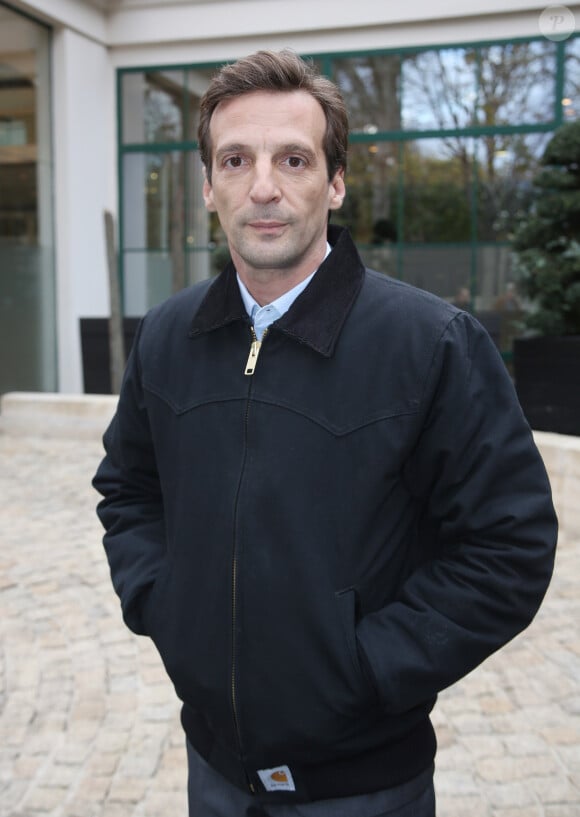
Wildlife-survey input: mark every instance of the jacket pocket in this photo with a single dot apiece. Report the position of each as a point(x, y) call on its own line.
point(347, 605)
point(152, 604)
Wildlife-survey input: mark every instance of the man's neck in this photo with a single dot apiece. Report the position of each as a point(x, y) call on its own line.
point(266, 285)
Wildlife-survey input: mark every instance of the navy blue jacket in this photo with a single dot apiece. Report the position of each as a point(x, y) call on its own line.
point(318, 549)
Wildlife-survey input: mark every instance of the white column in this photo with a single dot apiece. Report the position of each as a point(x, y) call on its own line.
point(85, 185)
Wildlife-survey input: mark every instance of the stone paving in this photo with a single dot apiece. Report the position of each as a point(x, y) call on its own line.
point(89, 725)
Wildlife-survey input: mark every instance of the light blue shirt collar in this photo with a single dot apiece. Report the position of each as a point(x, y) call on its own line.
point(263, 316)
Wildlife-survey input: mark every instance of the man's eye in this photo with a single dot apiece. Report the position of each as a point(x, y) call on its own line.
point(294, 161)
point(234, 161)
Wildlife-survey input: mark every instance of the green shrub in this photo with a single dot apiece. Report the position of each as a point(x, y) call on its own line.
point(547, 241)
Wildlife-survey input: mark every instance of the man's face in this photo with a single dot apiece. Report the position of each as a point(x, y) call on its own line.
point(269, 182)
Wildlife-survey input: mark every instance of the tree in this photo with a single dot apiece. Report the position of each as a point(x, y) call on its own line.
point(547, 241)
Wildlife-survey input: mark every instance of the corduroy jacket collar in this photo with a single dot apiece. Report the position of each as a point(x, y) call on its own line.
point(316, 316)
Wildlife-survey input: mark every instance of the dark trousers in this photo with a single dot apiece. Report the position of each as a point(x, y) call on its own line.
point(211, 795)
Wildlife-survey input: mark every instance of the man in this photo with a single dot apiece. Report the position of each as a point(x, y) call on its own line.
point(321, 499)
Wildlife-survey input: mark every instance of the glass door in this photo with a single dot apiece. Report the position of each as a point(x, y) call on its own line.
point(27, 303)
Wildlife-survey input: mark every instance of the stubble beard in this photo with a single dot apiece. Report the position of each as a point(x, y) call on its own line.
point(267, 256)
point(270, 256)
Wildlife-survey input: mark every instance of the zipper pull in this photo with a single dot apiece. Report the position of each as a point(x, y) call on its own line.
point(253, 356)
point(255, 351)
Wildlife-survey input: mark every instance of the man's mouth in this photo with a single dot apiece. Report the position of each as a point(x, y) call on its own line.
point(266, 225)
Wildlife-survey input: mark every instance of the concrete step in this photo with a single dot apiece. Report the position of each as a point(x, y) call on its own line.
point(56, 415)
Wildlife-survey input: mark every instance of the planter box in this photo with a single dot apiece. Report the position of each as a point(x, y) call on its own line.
point(547, 378)
point(95, 352)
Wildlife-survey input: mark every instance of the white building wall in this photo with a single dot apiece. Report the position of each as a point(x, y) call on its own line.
point(158, 33)
point(83, 16)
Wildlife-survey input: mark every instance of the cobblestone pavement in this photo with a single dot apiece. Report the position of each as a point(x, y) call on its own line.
point(89, 726)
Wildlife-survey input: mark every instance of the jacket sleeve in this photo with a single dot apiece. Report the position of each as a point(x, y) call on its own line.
point(131, 510)
point(476, 472)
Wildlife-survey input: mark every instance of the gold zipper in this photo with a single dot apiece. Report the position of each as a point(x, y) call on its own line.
point(254, 352)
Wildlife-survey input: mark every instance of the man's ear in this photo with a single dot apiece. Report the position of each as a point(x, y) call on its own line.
point(208, 193)
point(337, 190)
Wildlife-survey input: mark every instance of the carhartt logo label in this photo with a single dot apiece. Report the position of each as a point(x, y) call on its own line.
point(277, 779)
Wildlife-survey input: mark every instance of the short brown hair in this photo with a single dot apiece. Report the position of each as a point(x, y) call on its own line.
point(277, 71)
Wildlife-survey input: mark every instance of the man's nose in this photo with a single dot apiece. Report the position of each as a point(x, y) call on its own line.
point(264, 183)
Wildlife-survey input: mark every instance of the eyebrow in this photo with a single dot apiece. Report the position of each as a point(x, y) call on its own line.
point(234, 147)
point(297, 147)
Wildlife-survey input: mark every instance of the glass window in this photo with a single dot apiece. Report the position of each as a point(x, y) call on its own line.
point(153, 200)
point(505, 167)
point(517, 83)
point(439, 89)
point(148, 279)
point(370, 86)
point(201, 240)
point(153, 106)
point(153, 219)
point(370, 207)
point(162, 106)
point(443, 269)
point(196, 82)
point(504, 84)
point(571, 99)
point(151, 277)
point(164, 216)
point(437, 217)
point(438, 186)
point(27, 299)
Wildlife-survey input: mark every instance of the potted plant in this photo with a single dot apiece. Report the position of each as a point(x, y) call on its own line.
point(547, 265)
